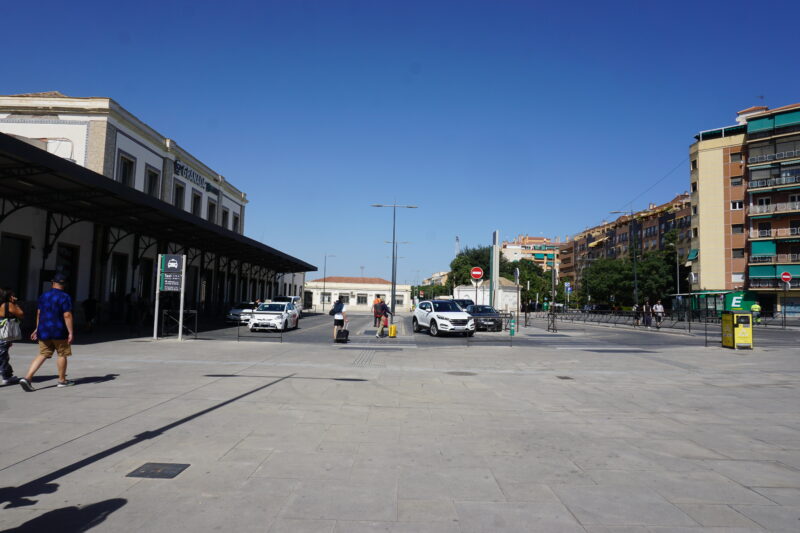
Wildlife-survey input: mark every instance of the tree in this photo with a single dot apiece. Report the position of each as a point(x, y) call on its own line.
point(472, 257)
point(609, 280)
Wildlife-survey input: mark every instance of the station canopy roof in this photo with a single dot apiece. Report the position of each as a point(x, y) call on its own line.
point(33, 177)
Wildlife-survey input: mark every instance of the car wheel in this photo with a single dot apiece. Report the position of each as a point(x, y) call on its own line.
point(285, 326)
point(434, 329)
point(415, 325)
point(470, 333)
point(251, 328)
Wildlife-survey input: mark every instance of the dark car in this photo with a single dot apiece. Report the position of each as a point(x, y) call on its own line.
point(463, 304)
point(486, 317)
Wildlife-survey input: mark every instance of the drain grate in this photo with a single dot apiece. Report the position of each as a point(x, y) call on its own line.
point(159, 470)
point(564, 377)
point(459, 373)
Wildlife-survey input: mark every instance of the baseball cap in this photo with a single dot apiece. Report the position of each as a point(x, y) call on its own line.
point(59, 277)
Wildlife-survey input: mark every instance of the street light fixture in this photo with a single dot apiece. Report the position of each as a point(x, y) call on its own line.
point(394, 245)
point(635, 275)
point(324, 276)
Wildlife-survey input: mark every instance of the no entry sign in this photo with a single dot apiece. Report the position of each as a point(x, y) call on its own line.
point(476, 272)
point(786, 277)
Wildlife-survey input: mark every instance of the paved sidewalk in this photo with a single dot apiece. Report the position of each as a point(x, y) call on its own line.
point(573, 434)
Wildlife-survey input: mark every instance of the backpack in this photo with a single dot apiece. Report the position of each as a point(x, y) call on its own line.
point(336, 309)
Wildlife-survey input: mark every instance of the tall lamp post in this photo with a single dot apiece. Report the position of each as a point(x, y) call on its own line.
point(635, 275)
point(394, 245)
point(324, 277)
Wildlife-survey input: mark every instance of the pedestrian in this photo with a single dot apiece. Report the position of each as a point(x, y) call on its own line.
point(53, 331)
point(340, 320)
point(376, 306)
point(9, 310)
point(756, 310)
point(658, 311)
point(637, 315)
point(647, 313)
point(384, 318)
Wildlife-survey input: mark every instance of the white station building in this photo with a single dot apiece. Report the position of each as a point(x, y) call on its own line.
point(90, 190)
point(357, 293)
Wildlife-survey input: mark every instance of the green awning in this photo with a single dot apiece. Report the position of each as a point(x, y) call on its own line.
point(760, 124)
point(794, 270)
point(762, 271)
point(787, 119)
point(762, 248)
point(692, 254)
point(760, 167)
point(538, 256)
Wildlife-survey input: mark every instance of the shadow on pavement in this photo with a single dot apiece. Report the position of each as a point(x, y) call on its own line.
point(20, 496)
point(71, 519)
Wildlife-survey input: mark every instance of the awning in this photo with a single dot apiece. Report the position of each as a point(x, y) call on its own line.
point(761, 271)
point(762, 248)
point(598, 241)
point(692, 254)
point(31, 177)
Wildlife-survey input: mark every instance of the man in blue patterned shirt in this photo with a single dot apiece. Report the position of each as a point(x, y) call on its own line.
point(53, 331)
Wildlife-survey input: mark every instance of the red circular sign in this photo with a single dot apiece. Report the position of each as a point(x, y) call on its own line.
point(476, 272)
point(786, 276)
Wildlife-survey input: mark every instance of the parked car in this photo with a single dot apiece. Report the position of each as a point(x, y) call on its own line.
point(240, 313)
point(279, 316)
point(294, 300)
point(486, 317)
point(442, 316)
point(464, 303)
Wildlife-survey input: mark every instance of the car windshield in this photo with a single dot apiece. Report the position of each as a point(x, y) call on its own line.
point(445, 306)
point(272, 307)
point(482, 309)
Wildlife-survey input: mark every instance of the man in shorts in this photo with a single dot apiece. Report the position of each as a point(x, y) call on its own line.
point(53, 331)
point(339, 317)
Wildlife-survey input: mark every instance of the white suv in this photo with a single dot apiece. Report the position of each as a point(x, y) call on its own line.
point(442, 316)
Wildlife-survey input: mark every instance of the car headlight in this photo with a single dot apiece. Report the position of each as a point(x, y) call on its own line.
point(441, 317)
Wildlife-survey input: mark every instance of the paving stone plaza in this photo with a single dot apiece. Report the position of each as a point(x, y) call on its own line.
point(589, 429)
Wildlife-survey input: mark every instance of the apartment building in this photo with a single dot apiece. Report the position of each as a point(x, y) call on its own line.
point(718, 254)
point(773, 206)
point(643, 231)
point(437, 278)
point(540, 250)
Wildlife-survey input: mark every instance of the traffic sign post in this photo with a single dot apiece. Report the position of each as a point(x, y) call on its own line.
point(170, 278)
point(476, 272)
point(786, 278)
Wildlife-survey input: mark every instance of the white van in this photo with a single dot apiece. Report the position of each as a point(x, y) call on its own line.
point(296, 300)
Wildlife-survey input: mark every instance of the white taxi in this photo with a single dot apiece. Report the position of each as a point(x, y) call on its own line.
point(279, 316)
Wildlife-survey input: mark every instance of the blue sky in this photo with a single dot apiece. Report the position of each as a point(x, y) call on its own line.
point(525, 117)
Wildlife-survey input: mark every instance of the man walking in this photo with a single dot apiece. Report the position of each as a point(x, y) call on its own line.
point(339, 312)
point(658, 311)
point(384, 317)
point(53, 331)
point(647, 313)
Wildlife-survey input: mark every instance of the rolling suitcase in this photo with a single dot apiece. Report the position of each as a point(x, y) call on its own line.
point(343, 335)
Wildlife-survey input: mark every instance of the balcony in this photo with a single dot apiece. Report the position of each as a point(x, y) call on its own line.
point(766, 158)
point(783, 207)
point(774, 233)
point(775, 259)
point(767, 283)
point(774, 182)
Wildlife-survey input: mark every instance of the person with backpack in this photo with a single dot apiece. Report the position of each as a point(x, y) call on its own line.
point(384, 311)
point(9, 312)
point(339, 312)
point(376, 311)
point(658, 311)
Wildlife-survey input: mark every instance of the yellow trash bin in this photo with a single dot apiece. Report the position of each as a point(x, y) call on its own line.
point(392, 331)
point(737, 330)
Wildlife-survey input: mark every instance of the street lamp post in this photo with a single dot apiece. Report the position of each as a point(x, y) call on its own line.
point(394, 245)
point(324, 276)
point(635, 274)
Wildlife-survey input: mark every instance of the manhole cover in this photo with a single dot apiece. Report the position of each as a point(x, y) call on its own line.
point(564, 377)
point(159, 470)
point(459, 373)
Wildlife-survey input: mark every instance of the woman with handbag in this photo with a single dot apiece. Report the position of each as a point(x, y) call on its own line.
point(10, 317)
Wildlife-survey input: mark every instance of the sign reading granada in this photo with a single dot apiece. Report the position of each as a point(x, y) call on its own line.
point(476, 272)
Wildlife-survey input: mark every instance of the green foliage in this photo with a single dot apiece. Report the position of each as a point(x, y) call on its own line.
point(528, 271)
